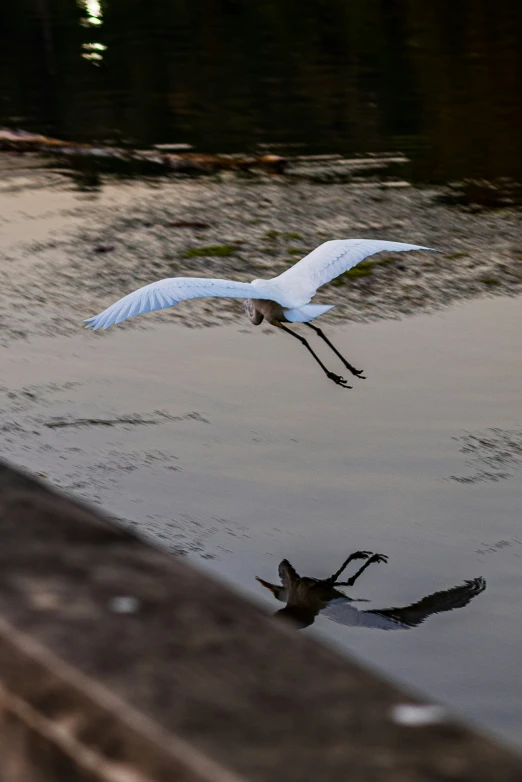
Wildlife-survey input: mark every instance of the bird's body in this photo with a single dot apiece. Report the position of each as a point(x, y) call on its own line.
point(264, 309)
point(282, 299)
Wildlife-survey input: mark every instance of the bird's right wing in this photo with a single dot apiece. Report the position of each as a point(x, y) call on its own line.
point(325, 263)
point(437, 603)
point(342, 612)
point(168, 293)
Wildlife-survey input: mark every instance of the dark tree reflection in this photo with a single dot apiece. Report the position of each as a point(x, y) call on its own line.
point(441, 81)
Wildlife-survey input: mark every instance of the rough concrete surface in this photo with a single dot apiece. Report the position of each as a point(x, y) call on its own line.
point(119, 662)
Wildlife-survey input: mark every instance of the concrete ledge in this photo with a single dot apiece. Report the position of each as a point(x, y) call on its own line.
point(120, 663)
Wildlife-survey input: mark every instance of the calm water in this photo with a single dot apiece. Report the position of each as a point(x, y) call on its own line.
point(440, 81)
point(247, 455)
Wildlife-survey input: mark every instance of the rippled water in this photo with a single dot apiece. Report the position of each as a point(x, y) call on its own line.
point(229, 445)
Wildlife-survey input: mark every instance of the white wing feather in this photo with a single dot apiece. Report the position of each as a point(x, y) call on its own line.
point(296, 286)
point(168, 293)
point(343, 613)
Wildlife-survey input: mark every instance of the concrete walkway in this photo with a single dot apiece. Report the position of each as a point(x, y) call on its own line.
point(121, 663)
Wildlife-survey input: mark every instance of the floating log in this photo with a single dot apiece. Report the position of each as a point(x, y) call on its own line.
point(179, 161)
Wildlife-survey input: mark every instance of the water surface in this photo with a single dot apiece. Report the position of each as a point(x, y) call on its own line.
point(229, 445)
point(439, 81)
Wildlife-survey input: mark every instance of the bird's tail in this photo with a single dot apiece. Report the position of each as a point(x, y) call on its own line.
point(307, 312)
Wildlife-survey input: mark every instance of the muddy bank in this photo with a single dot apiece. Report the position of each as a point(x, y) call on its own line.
point(68, 249)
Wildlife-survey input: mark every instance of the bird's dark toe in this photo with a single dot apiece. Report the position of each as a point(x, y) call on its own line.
point(353, 370)
point(340, 381)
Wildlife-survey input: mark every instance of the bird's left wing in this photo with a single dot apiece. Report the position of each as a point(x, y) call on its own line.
point(297, 285)
point(168, 293)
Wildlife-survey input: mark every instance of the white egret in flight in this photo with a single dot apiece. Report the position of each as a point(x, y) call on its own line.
point(283, 299)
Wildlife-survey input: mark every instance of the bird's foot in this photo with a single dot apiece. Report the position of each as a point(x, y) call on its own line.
point(361, 555)
point(378, 558)
point(356, 372)
point(340, 381)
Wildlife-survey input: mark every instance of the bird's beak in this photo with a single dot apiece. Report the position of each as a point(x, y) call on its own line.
point(272, 587)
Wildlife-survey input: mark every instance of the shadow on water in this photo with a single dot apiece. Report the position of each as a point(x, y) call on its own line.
point(441, 82)
point(307, 597)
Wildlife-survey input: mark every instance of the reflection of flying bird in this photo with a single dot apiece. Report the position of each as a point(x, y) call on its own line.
point(306, 597)
point(283, 299)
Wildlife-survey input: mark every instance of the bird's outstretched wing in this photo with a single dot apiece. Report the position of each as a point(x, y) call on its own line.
point(342, 612)
point(169, 292)
point(437, 603)
point(327, 262)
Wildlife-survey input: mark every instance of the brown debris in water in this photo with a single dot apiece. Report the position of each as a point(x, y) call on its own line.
point(180, 162)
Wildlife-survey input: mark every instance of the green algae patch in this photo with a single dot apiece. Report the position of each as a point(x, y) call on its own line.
point(213, 250)
point(363, 269)
point(288, 235)
point(456, 256)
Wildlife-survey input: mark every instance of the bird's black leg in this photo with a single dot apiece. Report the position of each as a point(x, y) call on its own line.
point(351, 581)
point(320, 333)
point(355, 555)
point(340, 381)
